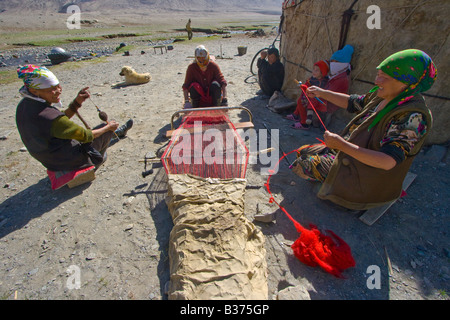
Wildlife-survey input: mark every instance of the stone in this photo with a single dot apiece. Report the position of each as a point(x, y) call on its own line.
point(294, 293)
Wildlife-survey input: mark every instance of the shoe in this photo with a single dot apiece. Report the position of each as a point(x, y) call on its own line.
point(292, 117)
point(123, 129)
point(299, 126)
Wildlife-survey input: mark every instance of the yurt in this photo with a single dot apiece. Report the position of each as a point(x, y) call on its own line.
point(313, 30)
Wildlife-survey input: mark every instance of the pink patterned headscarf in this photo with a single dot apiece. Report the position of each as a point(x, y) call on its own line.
point(37, 77)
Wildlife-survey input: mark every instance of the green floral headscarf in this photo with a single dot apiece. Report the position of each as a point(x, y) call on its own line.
point(412, 67)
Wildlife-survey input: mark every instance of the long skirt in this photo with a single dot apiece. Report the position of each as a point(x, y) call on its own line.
point(314, 162)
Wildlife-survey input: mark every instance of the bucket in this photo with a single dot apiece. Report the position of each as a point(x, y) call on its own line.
point(242, 50)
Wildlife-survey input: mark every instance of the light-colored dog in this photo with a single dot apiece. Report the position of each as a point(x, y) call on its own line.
point(132, 77)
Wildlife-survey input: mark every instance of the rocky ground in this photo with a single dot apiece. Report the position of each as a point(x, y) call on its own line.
point(77, 51)
point(115, 230)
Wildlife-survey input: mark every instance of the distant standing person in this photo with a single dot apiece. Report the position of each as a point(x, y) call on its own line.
point(270, 71)
point(189, 30)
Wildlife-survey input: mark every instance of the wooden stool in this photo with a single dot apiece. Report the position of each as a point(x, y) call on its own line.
point(160, 47)
point(74, 178)
point(372, 215)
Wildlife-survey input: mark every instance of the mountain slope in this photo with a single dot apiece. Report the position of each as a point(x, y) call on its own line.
point(143, 5)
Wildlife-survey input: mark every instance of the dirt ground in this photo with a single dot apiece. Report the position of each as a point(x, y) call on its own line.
point(115, 230)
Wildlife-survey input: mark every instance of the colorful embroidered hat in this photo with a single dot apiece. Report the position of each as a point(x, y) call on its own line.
point(37, 77)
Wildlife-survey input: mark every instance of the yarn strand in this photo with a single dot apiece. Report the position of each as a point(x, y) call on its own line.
point(304, 87)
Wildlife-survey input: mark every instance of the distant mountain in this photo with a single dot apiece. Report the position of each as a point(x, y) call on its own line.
point(142, 5)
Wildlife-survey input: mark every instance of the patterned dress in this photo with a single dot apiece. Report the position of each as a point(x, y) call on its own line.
point(402, 134)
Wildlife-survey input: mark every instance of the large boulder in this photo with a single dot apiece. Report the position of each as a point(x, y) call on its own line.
point(59, 55)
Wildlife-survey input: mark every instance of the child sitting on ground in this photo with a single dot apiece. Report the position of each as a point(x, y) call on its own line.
point(303, 113)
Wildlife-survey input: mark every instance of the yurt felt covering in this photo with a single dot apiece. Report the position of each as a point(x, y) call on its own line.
point(312, 30)
point(214, 251)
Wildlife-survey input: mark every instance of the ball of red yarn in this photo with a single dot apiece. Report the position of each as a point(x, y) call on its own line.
point(316, 249)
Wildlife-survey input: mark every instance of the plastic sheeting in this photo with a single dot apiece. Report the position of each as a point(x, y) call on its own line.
point(214, 251)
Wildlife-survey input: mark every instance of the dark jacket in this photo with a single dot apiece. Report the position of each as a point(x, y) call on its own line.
point(357, 186)
point(270, 76)
point(204, 78)
point(34, 120)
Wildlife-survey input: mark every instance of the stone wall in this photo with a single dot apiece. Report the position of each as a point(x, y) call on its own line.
point(312, 31)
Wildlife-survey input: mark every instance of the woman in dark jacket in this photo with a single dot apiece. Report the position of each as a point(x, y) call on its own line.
point(270, 71)
point(365, 165)
point(48, 134)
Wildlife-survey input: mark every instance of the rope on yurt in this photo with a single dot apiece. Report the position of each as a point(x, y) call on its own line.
point(395, 31)
point(345, 24)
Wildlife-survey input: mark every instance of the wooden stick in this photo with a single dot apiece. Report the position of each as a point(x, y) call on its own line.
point(262, 151)
point(279, 146)
point(388, 262)
point(151, 160)
point(370, 216)
point(82, 120)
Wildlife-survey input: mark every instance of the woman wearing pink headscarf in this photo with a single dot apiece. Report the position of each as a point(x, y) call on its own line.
point(48, 133)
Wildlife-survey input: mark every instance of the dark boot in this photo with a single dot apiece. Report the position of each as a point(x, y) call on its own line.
point(123, 129)
point(216, 94)
point(195, 98)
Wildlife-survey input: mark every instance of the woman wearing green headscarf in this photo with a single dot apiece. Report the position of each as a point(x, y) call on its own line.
point(365, 165)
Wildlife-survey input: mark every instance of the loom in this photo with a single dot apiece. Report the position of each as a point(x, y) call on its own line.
point(207, 144)
point(214, 251)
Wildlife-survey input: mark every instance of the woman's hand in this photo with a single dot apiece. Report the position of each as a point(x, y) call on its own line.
point(112, 125)
point(76, 103)
point(333, 141)
point(263, 54)
point(82, 96)
point(314, 91)
point(337, 98)
point(369, 157)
